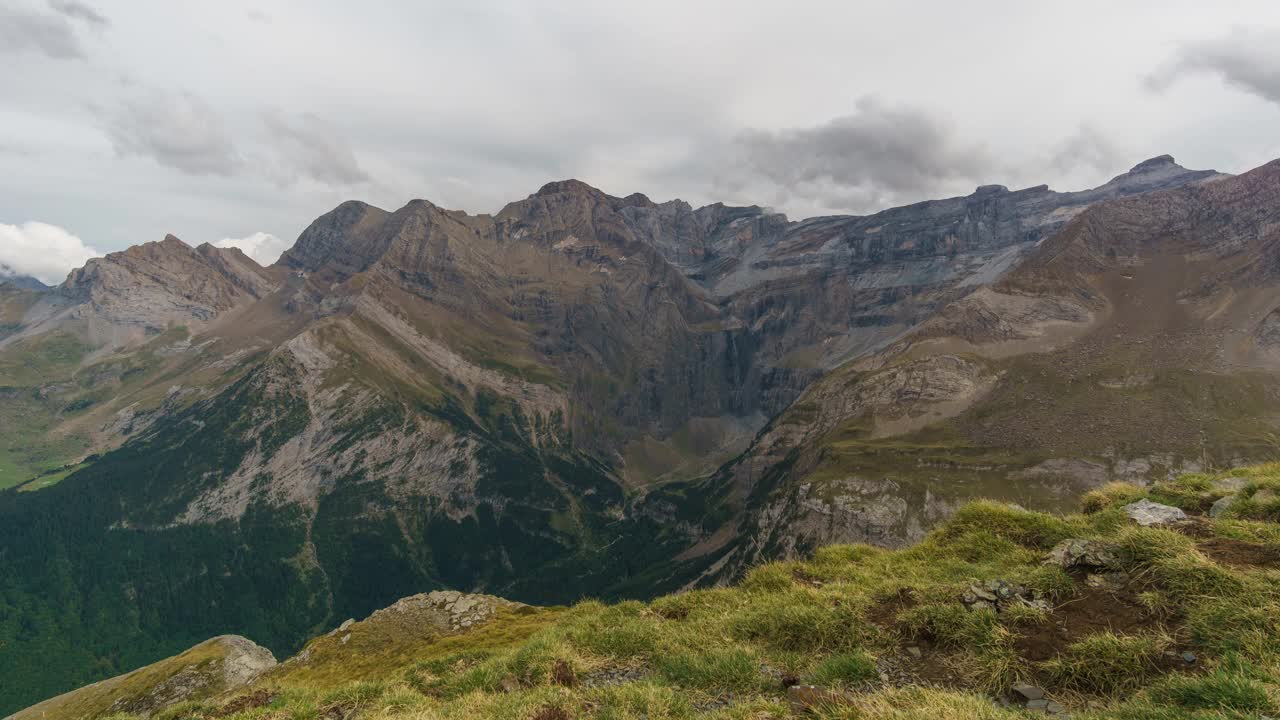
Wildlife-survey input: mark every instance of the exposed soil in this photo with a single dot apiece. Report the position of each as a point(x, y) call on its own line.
point(805, 578)
point(1236, 553)
point(1195, 527)
point(563, 675)
point(934, 669)
point(1239, 553)
point(885, 613)
point(1092, 611)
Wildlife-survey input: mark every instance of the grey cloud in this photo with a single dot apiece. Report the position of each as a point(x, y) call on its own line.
point(79, 11)
point(177, 130)
point(1088, 148)
point(1248, 59)
point(308, 148)
point(878, 155)
point(24, 30)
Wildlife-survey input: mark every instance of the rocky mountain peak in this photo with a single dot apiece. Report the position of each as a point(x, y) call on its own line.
point(343, 238)
point(1157, 162)
point(570, 186)
point(12, 278)
point(990, 190)
point(152, 286)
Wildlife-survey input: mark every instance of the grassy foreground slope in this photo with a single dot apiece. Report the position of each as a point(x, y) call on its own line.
point(1174, 621)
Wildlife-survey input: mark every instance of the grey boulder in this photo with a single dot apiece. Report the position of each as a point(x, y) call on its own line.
point(1148, 514)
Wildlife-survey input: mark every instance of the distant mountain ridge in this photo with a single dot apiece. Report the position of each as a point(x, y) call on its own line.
point(580, 394)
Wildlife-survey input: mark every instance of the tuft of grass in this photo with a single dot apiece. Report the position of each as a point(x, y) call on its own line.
point(954, 625)
point(356, 694)
point(769, 578)
point(1024, 527)
point(619, 633)
point(792, 621)
point(1111, 495)
point(850, 670)
point(1217, 690)
point(714, 669)
point(1106, 663)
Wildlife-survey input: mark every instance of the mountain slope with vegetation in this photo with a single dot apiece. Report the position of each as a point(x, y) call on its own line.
point(1133, 344)
point(578, 396)
point(1126, 610)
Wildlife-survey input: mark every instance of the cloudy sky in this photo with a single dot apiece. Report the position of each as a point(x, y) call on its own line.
point(239, 123)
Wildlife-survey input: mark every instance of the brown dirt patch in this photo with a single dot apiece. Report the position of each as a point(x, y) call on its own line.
point(885, 613)
point(1092, 611)
point(1195, 527)
point(563, 675)
point(934, 669)
point(1239, 553)
point(804, 578)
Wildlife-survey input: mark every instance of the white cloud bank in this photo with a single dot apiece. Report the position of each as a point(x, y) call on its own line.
point(264, 248)
point(46, 252)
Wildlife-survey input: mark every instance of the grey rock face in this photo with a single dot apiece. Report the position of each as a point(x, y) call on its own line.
point(1221, 505)
point(448, 609)
point(1077, 552)
point(148, 288)
point(1147, 513)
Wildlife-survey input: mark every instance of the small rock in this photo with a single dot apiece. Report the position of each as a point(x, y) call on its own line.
point(1107, 581)
point(345, 639)
point(1078, 552)
point(1054, 708)
point(809, 697)
point(346, 624)
point(1037, 704)
point(977, 592)
point(1028, 692)
point(1221, 505)
point(1189, 657)
point(914, 652)
point(1148, 514)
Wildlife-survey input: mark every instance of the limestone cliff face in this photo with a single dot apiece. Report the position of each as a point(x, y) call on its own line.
point(1134, 342)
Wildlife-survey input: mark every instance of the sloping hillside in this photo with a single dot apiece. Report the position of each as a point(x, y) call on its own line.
point(1153, 603)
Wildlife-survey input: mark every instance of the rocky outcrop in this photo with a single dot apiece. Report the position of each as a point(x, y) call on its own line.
point(213, 667)
point(447, 610)
point(1147, 513)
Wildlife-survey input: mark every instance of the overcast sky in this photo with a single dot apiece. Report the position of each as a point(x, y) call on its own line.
point(240, 122)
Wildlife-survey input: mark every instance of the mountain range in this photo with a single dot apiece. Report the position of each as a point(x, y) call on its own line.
point(588, 395)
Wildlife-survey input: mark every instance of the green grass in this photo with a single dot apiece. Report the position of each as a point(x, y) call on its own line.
point(840, 618)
